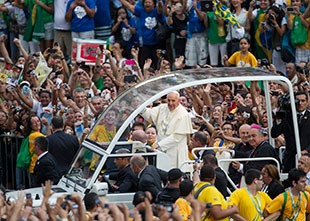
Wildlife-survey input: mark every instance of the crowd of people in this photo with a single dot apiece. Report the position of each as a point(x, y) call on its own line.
point(145, 39)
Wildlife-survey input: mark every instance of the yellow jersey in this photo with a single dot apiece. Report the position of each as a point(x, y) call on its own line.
point(247, 209)
point(185, 210)
point(288, 212)
point(210, 195)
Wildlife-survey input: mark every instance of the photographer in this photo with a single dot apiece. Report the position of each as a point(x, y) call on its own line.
point(274, 25)
point(171, 192)
point(283, 124)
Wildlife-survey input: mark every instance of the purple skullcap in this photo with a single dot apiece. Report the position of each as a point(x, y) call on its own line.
point(256, 127)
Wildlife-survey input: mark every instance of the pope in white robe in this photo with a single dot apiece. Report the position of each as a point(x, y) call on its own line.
point(173, 123)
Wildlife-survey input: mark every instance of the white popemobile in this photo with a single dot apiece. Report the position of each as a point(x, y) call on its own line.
point(93, 154)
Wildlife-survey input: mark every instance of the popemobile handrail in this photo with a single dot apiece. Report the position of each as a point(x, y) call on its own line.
point(234, 159)
point(205, 148)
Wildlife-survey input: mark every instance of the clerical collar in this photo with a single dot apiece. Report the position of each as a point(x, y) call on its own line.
point(42, 155)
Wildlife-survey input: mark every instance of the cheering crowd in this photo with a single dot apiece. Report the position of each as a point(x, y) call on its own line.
point(144, 39)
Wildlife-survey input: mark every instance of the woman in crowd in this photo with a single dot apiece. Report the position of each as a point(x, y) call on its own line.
point(258, 15)
point(271, 33)
point(272, 184)
point(151, 134)
point(177, 18)
point(149, 16)
point(242, 58)
point(234, 35)
point(124, 28)
point(32, 131)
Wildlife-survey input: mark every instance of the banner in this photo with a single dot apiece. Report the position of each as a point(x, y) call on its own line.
point(42, 70)
point(9, 73)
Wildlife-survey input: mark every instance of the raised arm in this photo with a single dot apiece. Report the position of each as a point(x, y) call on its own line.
point(68, 15)
point(129, 6)
point(3, 49)
point(49, 8)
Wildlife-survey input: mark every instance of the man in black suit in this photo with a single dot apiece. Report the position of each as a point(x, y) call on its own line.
point(261, 148)
point(45, 168)
point(150, 178)
point(62, 146)
point(126, 180)
point(284, 124)
point(221, 179)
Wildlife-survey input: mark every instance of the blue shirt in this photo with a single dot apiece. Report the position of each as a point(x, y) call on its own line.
point(102, 15)
point(81, 22)
point(127, 36)
point(148, 23)
point(195, 25)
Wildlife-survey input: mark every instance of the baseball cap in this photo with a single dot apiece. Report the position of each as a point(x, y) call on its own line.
point(175, 174)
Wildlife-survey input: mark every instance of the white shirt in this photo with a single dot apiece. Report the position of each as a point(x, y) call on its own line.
point(38, 108)
point(59, 15)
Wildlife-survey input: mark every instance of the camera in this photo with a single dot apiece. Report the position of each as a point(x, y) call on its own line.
point(284, 103)
point(163, 52)
point(246, 115)
point(229, 117)
point(206, 5)
point(17, 109)
point(166, 201)
point(274, 93)
point(264, 62)
point(303, 70)
point(58, 107)
point(290, 9)
point(263, 24)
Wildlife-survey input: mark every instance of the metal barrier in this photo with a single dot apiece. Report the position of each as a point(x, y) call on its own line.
point(245, 159)
point(203, 148)
point(9, 147)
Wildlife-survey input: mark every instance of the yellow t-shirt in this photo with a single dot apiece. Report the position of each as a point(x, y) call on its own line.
point(277, 203)
point(185, 210)
point(100, 134)
point(34, 158)
point(211, 195)
point(241, 62)
point(243, 201)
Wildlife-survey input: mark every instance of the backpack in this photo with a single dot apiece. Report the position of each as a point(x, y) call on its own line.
point(283, 205)
point(299, 33)
point(24, 156)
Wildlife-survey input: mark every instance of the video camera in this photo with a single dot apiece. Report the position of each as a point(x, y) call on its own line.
point(284, 103)
point(303, 70)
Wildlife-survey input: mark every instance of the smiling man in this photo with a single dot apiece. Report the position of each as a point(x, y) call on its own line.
point(173, 124)
point(261, 148)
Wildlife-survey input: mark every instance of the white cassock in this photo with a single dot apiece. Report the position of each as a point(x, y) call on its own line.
point(172, 129)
